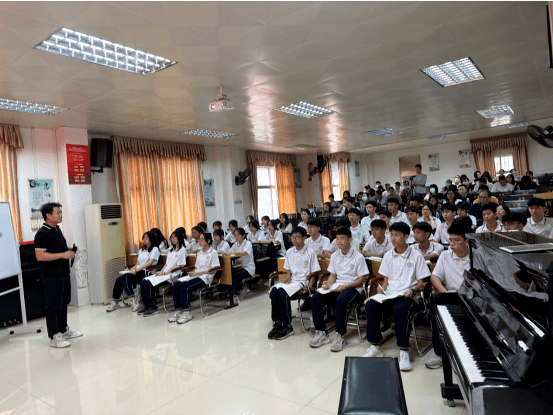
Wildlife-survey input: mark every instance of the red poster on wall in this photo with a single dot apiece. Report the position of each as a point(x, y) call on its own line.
point(78, 164)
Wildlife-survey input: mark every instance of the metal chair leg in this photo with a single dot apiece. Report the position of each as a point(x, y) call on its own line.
point(301, 316)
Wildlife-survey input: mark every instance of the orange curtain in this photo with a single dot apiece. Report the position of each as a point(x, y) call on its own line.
point(483, 149)
point(158, 192)
point(484, 161)
point(325, 184)
point(344, 177)
point(10, 141)
point(520, 159)
point(286, 188)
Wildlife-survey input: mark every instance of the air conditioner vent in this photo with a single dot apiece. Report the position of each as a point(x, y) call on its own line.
point(111, 212)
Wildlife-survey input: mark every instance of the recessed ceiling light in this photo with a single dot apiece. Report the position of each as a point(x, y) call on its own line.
point(500, 121)
point(454, 73)
point(31, 107)
point(92, 49)
point(518, 124)
point(384, 131)
point(209, 133)
point(302, 147)
point(306, 110)
point(436, 137)
point(496, 112)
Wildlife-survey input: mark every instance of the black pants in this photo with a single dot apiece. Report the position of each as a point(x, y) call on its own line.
point(57, 290)
point(127, 282)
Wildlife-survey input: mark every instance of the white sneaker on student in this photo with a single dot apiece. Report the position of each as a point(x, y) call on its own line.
point(320, 338)
point(243, 291)
point(236, 300)
point(71, 334)
point(114, 305)
point(174, 317)
point(404, 362)
point(59, 342)
point(185, 317)
point(137, 304)
point(338, 343)
point(373, 351)
point(434, 362)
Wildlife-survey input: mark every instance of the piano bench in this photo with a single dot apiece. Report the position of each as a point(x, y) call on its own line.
point(372, 386)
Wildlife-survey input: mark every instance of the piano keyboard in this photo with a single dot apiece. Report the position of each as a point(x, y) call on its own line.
point(476, 358)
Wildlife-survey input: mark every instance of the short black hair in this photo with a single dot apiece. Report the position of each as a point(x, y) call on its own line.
point(536, 201)
point(233, 222)
point(198, 229)
point(48, 208)
point(315, 222)
point(208, 238)
point(393, 200)
point(460, 226)
point(255, 224)
point(219, 232)
point(449, 206)
point(379, 192)
point(218, 223)
point(372, 202)
point(300, 230)
point(355, 210)
point(378, 223)
point(482, 179)
point(463, 206)
point(401, 227)
point(416, 198)
point(265, 218)
point(412, 209)
point(501, 177)
point(423, 226)
point(418, 165)
point(331, 196)
point(241, 231)
point(484, 189)
point(515, 217)
point(345, 222)
point(343, 231)
point(203, 225)
point(489, 206)
point(398, 183)
point(275, 223)
point(385, 212)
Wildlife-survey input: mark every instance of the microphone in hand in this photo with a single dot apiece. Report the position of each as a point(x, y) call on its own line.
point(74, 249)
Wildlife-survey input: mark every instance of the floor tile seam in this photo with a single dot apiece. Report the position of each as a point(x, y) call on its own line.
point(180, 396)
point(318, 409)
point(35, 397)
point(324, 390)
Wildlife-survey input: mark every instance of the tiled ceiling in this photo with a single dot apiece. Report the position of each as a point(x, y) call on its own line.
point(359, 59)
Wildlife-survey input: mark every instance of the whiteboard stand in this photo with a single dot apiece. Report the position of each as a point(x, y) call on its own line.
point(11, 330)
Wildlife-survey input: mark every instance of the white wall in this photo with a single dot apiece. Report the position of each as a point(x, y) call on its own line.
point(540, 158)
point(357, 184)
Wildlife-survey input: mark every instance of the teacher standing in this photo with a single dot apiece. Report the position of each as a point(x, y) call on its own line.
point(52, 251)
point(419, 180)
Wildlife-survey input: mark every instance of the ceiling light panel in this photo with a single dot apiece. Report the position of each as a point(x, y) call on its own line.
point(518, 124)
point(454, 73)
point(384, 131)
point(436, 137)
point(92, 49)
point(302, 147)
point(502, 111)
point(209, 133)
point(30, 107)
point(306, 110)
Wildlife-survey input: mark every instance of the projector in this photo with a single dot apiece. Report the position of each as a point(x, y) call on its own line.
point(222, 103)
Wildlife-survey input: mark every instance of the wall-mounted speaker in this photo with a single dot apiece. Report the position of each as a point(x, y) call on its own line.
point(101, 152)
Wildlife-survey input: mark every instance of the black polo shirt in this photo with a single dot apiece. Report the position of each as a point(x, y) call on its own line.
point(53, 241)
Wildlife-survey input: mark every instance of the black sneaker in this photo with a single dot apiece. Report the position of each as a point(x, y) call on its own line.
point(151, 312)
point(276, 327)
point(284, 332)
point(142, 310)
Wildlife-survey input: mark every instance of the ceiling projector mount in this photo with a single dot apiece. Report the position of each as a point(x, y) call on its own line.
point(222, 103)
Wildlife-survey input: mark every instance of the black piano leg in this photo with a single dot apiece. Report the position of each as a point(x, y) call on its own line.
point(450, 391)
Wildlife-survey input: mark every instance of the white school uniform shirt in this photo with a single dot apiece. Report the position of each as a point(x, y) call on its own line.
point(403, 270)
point(163, 246)
point(496, 188)
point(279, 238)
point(247, 229)
point(258, 236)
point(411, 239)
point(229, 237)
point(472, 218)
point(301, 263)
point(223, 246)
point(302, 225)
point(374, 246)
point(348, 267)
point(193, 245)
point(319, 245)
point(438, 221)
point(205, 261)
point(542, 228)
point(288, 228)
point(144, 256)
point(359, 233)
point(400, 217)
point(247, 259)
point(450, 268)
point(433, 248)
point(354, 244)
point(441, 234)
point(484, 228)
point(175, 258)
point(366, 223)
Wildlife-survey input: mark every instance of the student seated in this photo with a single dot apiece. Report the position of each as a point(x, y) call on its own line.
point(393, 207)
point(249, 219)
point(161, 240)
point(194, 245)
point(305, 215)
point(348, 269)
point(386, 216)
point(450, 270)
point(256, 234)
point(490, 220)
point(147, 256)
point(218, 225)
point(463, 210)
point(422, 232)
point(538, 223)
point(502, 186)
point(284, 225)
point(317, 242)
point(203, 225)
point(328, 210)
point(232, 225)
point(183, 231)
point(300, 264)
point(403, 269)
point(484, 198)
point(415, 201)
point(357, 231)
point(334, 247)
point(372, 208)
point(275, 236)
point(448, 212)
point(265, 224)
point(219, 243)
point(244, 266)
point(176, 257)
point(514, 221)
point(412, 213)
point(380, 242)
point(206, 260)
point(427, 215)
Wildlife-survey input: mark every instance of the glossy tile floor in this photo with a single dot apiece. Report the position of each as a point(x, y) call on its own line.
point(221, 364)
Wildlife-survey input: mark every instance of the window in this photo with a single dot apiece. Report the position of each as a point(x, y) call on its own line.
point(503, 162)
point(335, 180)
point(267, 198)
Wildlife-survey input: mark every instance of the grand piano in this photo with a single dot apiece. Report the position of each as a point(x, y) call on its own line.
point(496, 332)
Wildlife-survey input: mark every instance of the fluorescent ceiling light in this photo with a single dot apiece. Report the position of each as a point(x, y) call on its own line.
point(500, 121)
point(436, 137)
point(302, 147)
point(92, 49)
point(31, 107)
point(496, 112)
point(384, 131)
point(518, 124)
point(306, 110)
point(454, 73)
point(209, 133)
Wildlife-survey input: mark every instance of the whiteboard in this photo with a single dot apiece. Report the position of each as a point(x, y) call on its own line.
point(9, 250)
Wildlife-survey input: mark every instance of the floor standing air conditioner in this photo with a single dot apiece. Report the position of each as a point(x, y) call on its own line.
point(105, 240)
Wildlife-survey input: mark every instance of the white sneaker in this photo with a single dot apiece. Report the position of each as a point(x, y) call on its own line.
point(71, 334)
point(174, 317)
point(338, 343)
point(236, 300)
point(137, 304)
point(114, 305)
point(434, 362)
point(185, 317)
point(320, 338)
point(404, 362)
point(59, 342)
point(373, 351)
point(243, 291)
